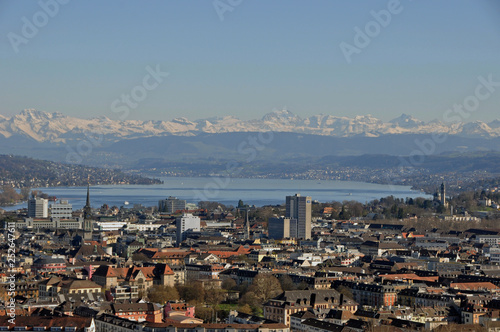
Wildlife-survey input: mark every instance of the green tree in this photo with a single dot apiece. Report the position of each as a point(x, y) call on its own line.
point(286, 282)
point(246, 309)
point(25, 193)
point(250, 299)
point(193, 292)
point(401, 213)
point(204, 313)
point(162, 294)
point(213, 296)
point(229, 284)
point(344, 213)
point(303, 285)
point(9, 195)
point(441, 209)
point(265, 287)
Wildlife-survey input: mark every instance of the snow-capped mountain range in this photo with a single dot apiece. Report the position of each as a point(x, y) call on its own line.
point(57, 127)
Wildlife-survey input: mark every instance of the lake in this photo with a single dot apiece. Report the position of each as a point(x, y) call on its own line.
point(227, 191)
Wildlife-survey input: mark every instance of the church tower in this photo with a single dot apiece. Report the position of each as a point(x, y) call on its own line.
point(87, 216)
point(443, 195)
point(87, 210)
point(247, 226)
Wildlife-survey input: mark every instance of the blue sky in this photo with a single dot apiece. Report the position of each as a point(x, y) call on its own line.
point(263, 56)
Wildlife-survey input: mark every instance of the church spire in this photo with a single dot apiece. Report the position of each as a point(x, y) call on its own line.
point(443, 195)
point(247, 226)
point(87, 210)
point(88, 195)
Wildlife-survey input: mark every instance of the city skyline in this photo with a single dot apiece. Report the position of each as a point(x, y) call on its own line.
point(198, 60)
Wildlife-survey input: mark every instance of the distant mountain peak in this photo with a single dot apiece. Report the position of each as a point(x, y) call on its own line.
point(32, 113)
point(407, 121)
point(182, 120)
point(494, 124)
point(282, 114)
point(57, 127)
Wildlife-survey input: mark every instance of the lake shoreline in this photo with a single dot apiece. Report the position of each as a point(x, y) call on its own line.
point(227, 191)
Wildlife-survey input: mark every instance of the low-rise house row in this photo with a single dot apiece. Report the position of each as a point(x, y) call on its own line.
point(280, 308)
point(110, 323)
point(143, 277)
point(371, 294)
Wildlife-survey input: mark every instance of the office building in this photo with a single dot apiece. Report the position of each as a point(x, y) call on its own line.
point(171, 205)
point(52, 223)
point(282, 228)
point(38, 208)
point(299, 207)
point(185, 224)
point(61, 210)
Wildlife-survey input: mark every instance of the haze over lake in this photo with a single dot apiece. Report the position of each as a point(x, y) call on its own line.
point(257, 192)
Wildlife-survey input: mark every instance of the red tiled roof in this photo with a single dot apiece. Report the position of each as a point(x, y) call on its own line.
point(74, 321)
point(130, 273)
point(474, 285)
point(408, 276)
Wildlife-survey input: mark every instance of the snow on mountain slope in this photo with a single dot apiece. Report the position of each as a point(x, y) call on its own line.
point(406, 121)
point(57, 127)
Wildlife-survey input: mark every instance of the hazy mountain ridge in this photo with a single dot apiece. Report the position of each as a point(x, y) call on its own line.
point(59, 128)
point(27, 172)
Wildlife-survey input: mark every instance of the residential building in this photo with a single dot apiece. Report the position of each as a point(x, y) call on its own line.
point(165, 255)
point(203, 271)
point(138, 312)
point(471, 313)
point(76, 286)
point(48, 323)
point(280, 308)
point(179, 308)
point(495, 255)
point(490, 239)
point(377, 248)
point(143, 277)
point(312, 282)
point(370, 294)
point(111, 323)
point(48, 265)
point(107, 226)
point(120, 293)
point(185, 224)
point(56, 286)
